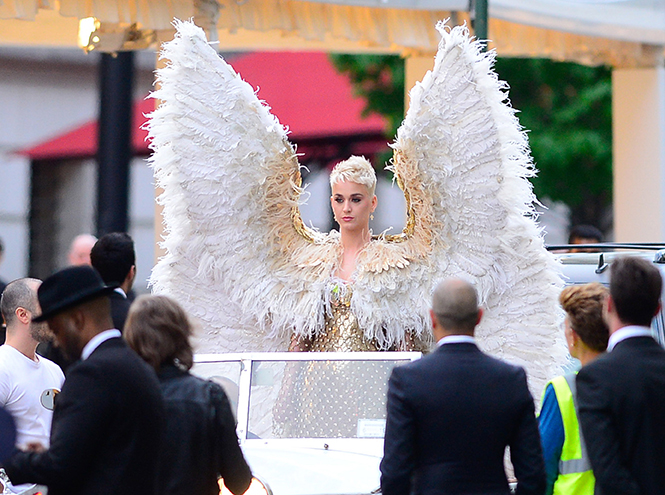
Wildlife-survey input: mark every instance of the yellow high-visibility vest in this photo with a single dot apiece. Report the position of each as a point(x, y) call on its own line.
point(575, 474)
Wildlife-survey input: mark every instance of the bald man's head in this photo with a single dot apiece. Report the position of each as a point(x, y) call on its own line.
point(21, 293)
point(455, 306)
point(79, 251)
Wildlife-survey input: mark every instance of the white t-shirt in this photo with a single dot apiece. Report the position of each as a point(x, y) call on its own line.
point(22, 382)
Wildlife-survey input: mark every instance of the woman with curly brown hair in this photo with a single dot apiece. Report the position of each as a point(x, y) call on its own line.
point(566, 462)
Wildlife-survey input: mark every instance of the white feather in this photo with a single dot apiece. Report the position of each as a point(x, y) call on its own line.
point(237, 263)
point(474, 158)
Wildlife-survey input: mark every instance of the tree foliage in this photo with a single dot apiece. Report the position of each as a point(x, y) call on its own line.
point(565, 107)
point(379, 79)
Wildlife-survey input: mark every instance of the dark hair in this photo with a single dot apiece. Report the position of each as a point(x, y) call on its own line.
point(20, 293)
point(584, 306)
point(113, 256)
point(635, 286)
point(584, 232)
point(158, 329)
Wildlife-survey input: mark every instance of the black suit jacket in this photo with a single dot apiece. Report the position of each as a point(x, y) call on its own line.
point(451, 415)
point(105, 432)
point(119, 309)
point(622, 413)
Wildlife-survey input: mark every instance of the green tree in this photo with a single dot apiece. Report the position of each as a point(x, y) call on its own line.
point(565, 107)
point(379, 79)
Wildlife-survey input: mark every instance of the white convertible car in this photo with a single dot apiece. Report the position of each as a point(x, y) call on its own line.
point(584, 267)
point(308, 423)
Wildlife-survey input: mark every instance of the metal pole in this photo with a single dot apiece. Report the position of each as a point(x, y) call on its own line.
point(114, 152)
point(480, 24)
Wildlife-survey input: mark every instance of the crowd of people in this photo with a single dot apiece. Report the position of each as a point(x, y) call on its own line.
point(452, 414)
point(130, 418)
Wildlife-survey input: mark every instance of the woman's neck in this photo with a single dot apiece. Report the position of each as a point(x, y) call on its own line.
point(355, 240)
point(352, 244)
point(586, 355)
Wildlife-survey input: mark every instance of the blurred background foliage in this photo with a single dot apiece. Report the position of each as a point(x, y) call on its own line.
point(565, 107)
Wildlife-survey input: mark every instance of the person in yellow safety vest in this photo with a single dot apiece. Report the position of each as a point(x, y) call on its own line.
point(566, 461)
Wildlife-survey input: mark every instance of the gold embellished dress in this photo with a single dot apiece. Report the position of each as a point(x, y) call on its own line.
point(335, 398)
point(342, 332)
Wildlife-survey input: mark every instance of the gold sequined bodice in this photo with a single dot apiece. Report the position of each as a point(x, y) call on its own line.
point(342, 332)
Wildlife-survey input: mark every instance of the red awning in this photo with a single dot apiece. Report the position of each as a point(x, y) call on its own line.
point(82, 141)
point(303, 90)
point(307, 94)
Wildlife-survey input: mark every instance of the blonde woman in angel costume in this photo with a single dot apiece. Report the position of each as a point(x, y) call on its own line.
point(353, 183)
point(318, 395)
point(240, 259)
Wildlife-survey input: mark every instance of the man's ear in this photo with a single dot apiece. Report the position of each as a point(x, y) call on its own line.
point(23, 315)
point(78, 317)
point(436, 327)
point(433, 318)
point(609, 304)
point(480, 316)
point(126, 284)
point(132, 273)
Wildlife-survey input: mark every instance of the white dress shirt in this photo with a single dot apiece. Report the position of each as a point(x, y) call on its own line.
point(627, 333)
point(456, 339)
point(97, 340)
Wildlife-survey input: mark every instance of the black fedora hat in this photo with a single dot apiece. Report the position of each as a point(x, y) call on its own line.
point(68, 288)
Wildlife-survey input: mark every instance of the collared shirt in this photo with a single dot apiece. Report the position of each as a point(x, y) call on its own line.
point(456, 339)
point(121, 292)
point(627, 333)
point(95, 342)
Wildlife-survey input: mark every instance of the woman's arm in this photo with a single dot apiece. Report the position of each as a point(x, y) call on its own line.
point(299, 343)
point(408, 344)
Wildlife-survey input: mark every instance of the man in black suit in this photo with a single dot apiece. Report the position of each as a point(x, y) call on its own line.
point(114, 258)
point(108, 418)
point(621, 395)
point(452, 413)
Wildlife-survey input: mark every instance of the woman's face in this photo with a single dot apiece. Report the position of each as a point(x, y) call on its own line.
point(352, 205)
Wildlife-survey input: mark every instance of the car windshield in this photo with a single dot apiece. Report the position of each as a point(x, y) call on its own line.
point(306, 395)
point(224, 373)
point(319, 399)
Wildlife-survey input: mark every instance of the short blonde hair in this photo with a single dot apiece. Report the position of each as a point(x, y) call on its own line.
point(356, 169)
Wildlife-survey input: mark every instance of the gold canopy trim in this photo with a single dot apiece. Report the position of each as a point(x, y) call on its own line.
point(303, 25)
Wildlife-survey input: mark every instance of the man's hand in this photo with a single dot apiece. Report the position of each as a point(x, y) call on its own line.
point(35, 447)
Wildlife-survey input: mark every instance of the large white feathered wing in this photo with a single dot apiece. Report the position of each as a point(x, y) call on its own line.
point(238, 257)
point(464, 162)
point(230, 181)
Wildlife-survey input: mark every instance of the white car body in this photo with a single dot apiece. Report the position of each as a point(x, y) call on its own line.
point(583, 268)
point(342, 463)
